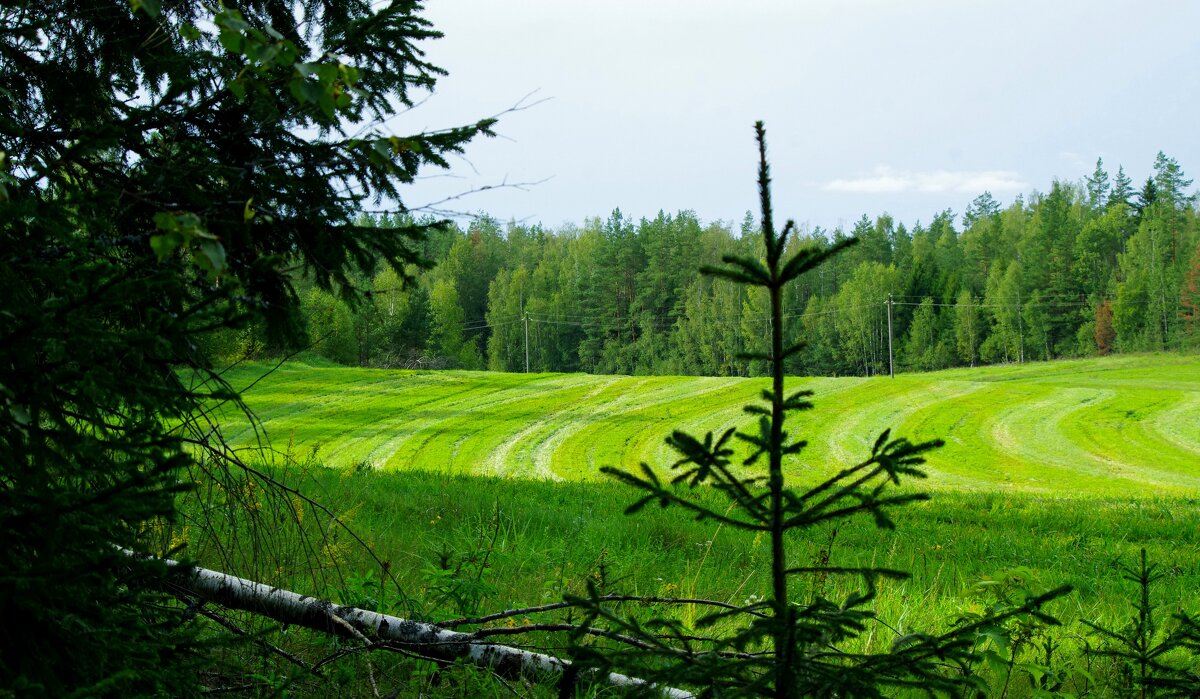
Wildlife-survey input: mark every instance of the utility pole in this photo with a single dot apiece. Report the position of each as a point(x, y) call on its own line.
point(526, 319)
point(1020, 326)
point(891, 359)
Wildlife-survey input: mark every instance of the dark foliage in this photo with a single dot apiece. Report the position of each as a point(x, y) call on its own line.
point(167, 168)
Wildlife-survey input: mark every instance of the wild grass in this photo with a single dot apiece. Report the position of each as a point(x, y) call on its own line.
point(463, 545)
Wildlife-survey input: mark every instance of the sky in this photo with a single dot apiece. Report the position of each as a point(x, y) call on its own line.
point(871, 106)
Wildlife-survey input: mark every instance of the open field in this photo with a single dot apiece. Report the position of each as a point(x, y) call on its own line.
point(481, 491)
point(464, 545)
point(1117, 426)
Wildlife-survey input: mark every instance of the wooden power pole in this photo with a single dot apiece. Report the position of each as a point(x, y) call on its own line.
point(891, 360)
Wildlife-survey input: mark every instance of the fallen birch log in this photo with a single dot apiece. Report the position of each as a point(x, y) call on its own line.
point(424, 639)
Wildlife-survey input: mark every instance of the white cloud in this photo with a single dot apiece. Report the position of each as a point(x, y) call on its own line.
point(885, 180)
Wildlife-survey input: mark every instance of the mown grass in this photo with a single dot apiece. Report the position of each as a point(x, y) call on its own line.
point(481, 491)
point(1112, 426)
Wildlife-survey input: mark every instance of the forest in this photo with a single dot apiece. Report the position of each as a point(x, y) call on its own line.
point(1088, 268)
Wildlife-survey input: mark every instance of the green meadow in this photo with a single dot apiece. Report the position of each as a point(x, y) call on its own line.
point(1121, 426)
point(482, 492)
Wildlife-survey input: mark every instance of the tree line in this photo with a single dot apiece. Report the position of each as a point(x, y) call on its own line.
point(1087, 268)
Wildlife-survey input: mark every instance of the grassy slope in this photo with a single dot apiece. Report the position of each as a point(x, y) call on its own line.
point(1106, 427)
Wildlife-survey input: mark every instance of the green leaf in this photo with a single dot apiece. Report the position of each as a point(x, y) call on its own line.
point(152, 8)
point(311, 91)
point(263, 53)
point(325, 103)
point(326, 72)
point(238, 88)
point(997, 636)
point(210, 255)
point(247, 212)
point(163, 245)
point(233, 41)
point(189, 32)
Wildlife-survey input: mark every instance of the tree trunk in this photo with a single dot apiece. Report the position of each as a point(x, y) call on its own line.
point(426, 639)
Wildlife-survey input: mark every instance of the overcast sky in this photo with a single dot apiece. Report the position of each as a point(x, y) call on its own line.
point(907, 107)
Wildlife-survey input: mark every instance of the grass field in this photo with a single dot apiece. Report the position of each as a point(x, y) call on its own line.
point(481, 490)
point(1115, 426)
point(469, 545)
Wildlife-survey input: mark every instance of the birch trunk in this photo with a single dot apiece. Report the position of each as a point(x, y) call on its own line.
point(427, 640)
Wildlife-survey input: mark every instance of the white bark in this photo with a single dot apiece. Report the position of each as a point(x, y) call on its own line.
point(425, 639)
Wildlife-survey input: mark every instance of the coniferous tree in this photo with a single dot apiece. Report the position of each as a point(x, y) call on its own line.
point(1098, 188)
point(625, 298)
point(785, 645)
point(1122, 190)
point(167, 168)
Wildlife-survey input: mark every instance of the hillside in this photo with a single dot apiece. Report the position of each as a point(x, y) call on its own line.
point(1126, 425)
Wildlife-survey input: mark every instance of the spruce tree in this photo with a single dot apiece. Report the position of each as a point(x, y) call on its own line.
point(784, 645)
point(1097, 187)
point(1122, 189)
point(168, 168)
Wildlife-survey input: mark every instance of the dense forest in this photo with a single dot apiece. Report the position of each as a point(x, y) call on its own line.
point(1086, 268)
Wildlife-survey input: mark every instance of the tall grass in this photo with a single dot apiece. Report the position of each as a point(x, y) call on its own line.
point(462, 545)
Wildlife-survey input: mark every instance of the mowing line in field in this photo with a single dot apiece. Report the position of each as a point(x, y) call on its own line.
point(1129, 425)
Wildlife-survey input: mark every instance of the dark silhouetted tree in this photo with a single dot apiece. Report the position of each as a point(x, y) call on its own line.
point(169, 168)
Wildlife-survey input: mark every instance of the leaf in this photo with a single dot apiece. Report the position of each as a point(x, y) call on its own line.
point(238, 88)
point(997, 636)
point(233, 41)
point(189, 32)
point(247, 212)
point(750, 266)
point(326, 72)
point(163, 245)
point(152, 8)
point(650, 474)
point(210, 255)
point(310, 91)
